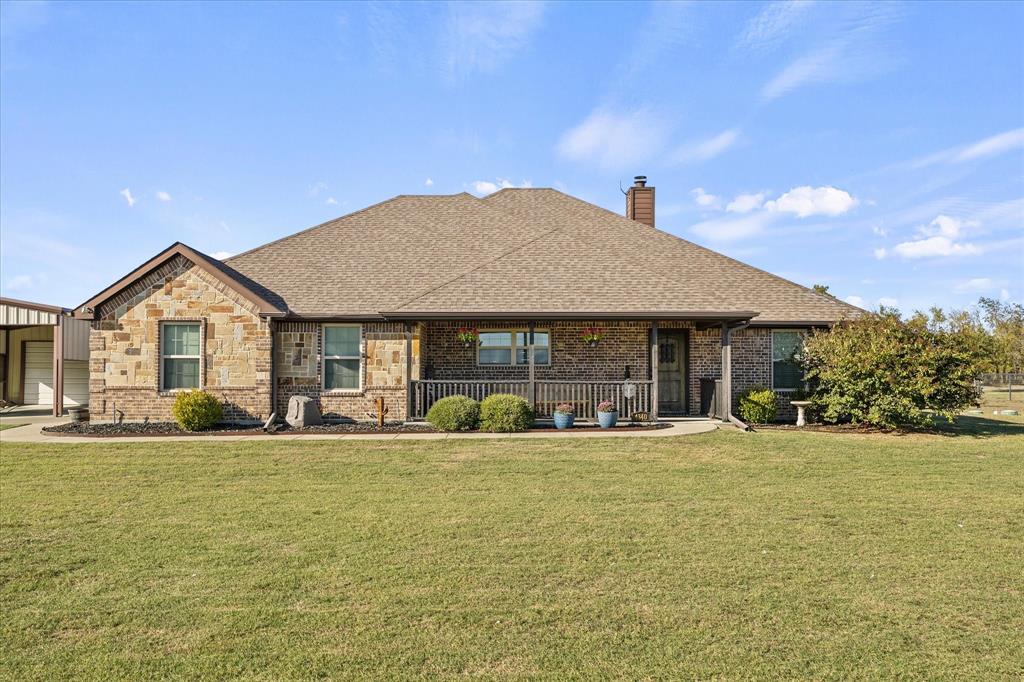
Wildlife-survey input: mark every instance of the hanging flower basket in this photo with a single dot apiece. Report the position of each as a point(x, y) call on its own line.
point(592, 336)
point(468, 336)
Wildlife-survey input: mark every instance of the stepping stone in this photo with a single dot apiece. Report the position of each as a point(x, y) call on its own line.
point(974, 412)
point(1007, 413)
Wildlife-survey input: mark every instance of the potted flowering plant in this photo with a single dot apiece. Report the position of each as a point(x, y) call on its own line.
point(468, 336)
point(607, 414)
point(564, 416)
point(592, 336)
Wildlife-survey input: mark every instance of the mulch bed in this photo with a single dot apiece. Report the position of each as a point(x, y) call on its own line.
point(108, 430)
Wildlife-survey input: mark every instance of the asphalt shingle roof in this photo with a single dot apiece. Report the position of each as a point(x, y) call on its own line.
point(516, 251)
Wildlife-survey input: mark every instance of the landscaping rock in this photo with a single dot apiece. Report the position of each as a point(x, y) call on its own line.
point(302, 412)
point(1007, 413)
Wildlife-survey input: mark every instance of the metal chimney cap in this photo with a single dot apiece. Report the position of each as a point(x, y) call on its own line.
point(640, 180)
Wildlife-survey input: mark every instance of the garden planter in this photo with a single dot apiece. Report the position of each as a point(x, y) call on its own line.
point(607, 419)
point(564, 421)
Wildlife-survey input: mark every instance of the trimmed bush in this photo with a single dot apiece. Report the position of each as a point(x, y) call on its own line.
point(454, 413)
point(196, 410)
point(505, 413)
point(758, 406)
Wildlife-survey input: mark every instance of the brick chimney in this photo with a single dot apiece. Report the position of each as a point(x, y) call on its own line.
point(640, 201)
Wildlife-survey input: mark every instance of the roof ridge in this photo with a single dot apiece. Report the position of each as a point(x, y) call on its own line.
point(341, 217)
point(823, 297)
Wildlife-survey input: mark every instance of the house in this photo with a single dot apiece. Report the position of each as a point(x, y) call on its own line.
point(44, 356)
point(370, 306)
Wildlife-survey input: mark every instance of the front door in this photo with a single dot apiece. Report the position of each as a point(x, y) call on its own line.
point(672, 372)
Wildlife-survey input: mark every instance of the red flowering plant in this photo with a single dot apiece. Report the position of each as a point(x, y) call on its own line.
point(606, 406)
point(467, 335)
point(591, 335)
point(565, 408)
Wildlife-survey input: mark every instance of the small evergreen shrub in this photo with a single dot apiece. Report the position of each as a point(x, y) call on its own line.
point(454, 413)
point(504, 413)
point(758, 406)
point(196, 410)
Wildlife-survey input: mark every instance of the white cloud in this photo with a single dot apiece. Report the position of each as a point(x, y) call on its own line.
point(938, 239)
point(163, 196)
point(487, 187)
point(221, 255)
point(19, 283)
point(880, 253)
point(127, 194)
point(855, 300)
point(614, 140)
point(807, 201)
point(994, 145)
point(316, 189)
point(773, 24)
point(480, 37)
point(888, 302)
point(975, 285)
point(1004, 294)
point(428, 183)
point(331, 201)
point(990, 146)
point(705, 150)
point(879, 230)
point(849, 47)
point(732, 229)
point(745, 203)
point(703, 199)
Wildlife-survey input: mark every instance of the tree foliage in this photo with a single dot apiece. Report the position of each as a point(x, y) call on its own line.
point(881, 370)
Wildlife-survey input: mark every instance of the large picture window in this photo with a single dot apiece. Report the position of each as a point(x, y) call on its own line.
point(342, 357)
point(179, 355)
point(512, 346)
point(787, 374)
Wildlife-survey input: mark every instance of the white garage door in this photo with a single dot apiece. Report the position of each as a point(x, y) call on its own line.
point(39, 376)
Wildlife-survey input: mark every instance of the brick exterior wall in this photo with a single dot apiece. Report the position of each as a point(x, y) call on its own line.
point(124, 365)
point(383, 346)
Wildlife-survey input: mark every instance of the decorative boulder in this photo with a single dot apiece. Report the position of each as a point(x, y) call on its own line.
point(302, 411)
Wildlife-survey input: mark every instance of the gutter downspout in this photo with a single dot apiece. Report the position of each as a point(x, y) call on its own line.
point(727, 330)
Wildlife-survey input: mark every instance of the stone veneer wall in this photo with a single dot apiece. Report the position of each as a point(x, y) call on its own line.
point(124, 365)
point(299, 345)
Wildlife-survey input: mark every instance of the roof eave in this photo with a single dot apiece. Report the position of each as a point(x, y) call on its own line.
point(562, 315)
point(87, 310)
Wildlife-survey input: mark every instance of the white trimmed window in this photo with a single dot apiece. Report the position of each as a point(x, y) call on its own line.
point(787, 374)
point(179, 355)
point(343, 358)
point(512, 346)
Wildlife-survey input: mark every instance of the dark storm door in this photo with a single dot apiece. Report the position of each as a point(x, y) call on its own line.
point(671, 372)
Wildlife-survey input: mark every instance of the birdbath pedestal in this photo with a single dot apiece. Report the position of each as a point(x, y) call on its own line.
point(800, 406)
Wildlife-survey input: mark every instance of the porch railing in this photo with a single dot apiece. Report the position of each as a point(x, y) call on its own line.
point(582, 395)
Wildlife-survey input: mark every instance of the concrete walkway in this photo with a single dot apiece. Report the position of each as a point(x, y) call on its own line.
point(32, 433)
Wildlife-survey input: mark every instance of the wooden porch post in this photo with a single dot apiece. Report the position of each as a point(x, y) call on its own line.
point(726, 399)
point(58, 367)
point(532, 390)
point(408, 372)
point(654, 370)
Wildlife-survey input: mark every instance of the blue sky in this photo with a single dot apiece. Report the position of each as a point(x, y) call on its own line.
point(878, 149)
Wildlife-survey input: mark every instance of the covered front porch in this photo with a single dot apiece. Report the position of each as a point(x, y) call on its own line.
point(649, 369)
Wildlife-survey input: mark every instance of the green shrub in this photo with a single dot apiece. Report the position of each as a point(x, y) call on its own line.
point(454, 413)
point(196, 410)
point(880, 370)
point(504, 413)
point(758, 406)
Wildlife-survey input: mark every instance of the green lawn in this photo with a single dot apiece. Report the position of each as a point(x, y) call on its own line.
point(772, 554)
point(9, 425)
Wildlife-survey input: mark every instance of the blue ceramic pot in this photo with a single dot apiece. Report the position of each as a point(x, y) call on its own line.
point(564, 421)
point(608, 419)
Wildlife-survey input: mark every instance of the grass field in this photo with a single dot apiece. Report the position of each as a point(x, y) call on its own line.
point(10, 425)
point(773, 554)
